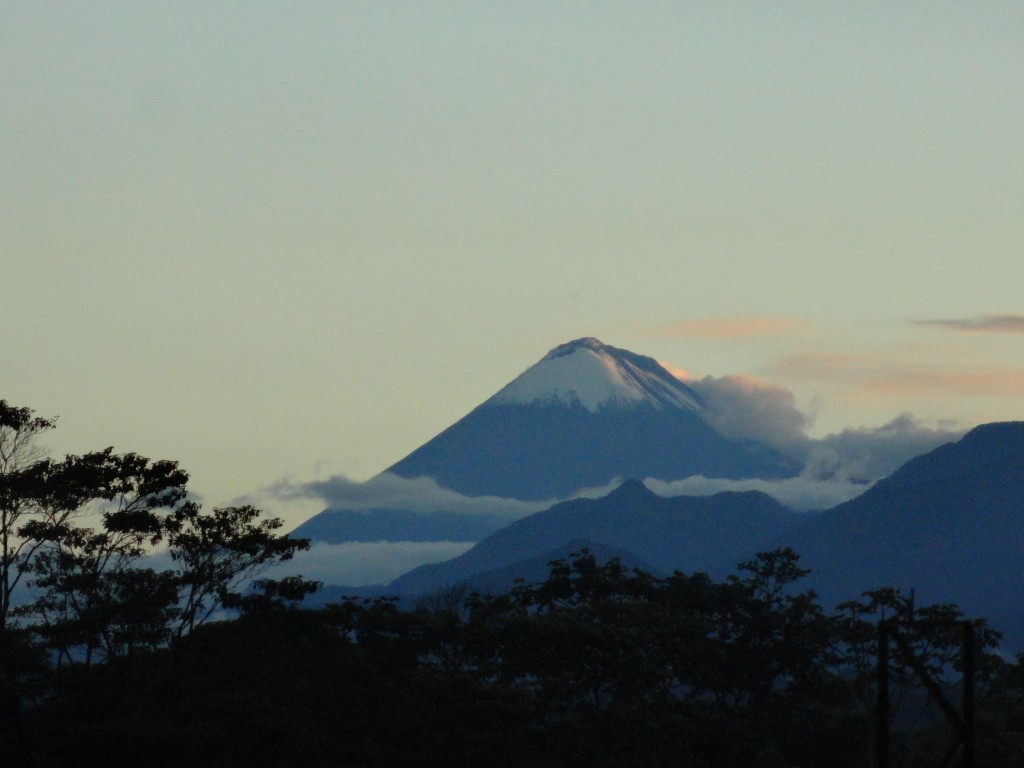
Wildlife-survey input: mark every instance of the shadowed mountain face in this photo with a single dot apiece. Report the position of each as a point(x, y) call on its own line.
point(949, 524)
point(584, 415)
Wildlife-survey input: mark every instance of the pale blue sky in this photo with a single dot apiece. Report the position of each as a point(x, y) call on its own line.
point(297, 239)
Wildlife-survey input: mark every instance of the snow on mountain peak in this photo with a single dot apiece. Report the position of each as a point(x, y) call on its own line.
point(598, 376)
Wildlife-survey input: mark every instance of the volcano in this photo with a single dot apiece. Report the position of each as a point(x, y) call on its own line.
point(586, 414)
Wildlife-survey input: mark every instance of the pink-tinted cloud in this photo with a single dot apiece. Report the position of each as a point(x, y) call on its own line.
point(723, 328)
point(680, 373)
point(984, 324)
point(885, 375)
point(990, 382)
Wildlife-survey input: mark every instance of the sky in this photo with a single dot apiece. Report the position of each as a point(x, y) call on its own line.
point(288, 242)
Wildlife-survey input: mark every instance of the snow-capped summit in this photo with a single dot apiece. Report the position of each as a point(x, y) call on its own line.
point(597, 376)
point(585, 414)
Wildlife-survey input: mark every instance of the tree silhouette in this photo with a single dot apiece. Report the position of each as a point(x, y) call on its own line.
point(19, 491)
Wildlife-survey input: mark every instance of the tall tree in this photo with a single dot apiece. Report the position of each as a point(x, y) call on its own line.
point(19, 453)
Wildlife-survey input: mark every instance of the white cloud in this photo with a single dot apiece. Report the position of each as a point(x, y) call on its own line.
point(421, 494)
point(742, 407)
point(798, 493)
point(866, 452)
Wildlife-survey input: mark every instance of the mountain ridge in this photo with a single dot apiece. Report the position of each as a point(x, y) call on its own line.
point(708, 533)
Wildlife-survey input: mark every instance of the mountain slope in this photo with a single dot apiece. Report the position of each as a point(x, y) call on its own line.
point(537, 568)
point(587, 413)
point(949, 524)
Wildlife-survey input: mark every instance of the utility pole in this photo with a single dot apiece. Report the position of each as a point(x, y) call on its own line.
point(889, 631)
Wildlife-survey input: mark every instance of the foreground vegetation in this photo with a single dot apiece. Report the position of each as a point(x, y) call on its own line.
point(597, 666)
point(117, 663)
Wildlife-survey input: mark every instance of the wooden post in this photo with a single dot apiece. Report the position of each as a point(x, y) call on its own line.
point(969, 663)
point(882, 713)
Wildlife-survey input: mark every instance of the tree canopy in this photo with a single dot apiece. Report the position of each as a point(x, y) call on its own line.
point(77, 535)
